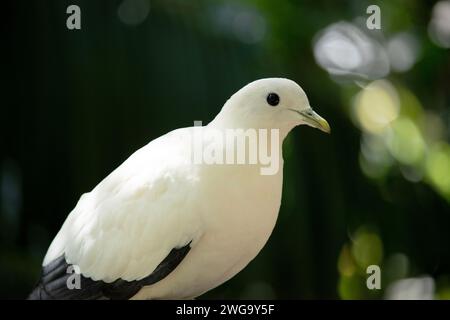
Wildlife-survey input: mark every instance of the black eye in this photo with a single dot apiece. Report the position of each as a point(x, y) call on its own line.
point(273, 99)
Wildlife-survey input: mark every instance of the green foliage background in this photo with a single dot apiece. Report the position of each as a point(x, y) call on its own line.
point(78, 103)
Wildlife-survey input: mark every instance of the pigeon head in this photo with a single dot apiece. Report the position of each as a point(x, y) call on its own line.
point(270, 103)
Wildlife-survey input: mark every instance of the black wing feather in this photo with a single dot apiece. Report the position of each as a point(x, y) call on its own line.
point(53, 282)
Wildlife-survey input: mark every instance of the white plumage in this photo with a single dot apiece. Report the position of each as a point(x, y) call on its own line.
point(158, 199)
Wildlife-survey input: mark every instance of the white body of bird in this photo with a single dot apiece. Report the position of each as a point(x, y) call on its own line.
point(158, 199)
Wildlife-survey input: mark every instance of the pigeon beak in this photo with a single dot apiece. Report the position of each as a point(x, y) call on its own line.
point(311, 118)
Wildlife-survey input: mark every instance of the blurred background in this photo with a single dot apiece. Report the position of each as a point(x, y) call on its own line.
point(77, 103)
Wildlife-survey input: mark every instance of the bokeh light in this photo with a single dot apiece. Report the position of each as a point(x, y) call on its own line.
point(244, 23)
point(438, 168)
point(364, 250)
point(376, 106)
point(421, 288)
point(405, 142)
point(367, 248)
point(403, 50)
point(439, 26)
point(133, 12)
point(343, 49)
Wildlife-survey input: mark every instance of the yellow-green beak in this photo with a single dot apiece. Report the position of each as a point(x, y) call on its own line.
point(311, 118)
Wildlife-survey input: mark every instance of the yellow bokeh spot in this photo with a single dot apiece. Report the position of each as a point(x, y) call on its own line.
point(367, 249)
point(346, 263)
point(376, 106)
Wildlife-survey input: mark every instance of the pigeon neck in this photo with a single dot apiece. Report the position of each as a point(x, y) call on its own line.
point(223, 125)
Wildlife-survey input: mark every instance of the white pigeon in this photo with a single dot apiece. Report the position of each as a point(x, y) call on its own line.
point(161, 226)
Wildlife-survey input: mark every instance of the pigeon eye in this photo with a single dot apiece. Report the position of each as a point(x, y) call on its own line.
point(273, 99)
